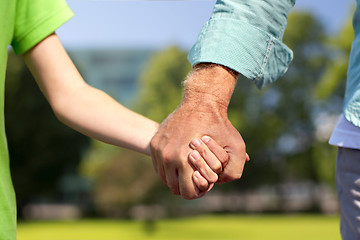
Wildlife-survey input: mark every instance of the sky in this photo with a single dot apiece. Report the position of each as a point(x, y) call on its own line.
point(155, 24)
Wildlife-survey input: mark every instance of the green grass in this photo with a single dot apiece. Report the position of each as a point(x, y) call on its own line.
point(219, 227)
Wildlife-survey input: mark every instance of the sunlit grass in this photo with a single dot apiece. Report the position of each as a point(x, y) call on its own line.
point(208, 227)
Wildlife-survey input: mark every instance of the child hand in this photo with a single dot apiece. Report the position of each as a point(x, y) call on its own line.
point(209, 159)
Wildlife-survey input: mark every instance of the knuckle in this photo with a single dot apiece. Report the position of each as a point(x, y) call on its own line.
point(182, 164)
point(167, 157)
point(167, 161)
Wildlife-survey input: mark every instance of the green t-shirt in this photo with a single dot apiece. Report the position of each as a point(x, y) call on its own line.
point(23, 24)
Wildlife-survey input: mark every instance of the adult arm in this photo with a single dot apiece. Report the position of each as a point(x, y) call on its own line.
point(82, 107)
point(241, 37)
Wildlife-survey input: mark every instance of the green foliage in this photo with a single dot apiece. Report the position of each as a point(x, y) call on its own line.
point(41, 148)
point(161, 83)
point(121, 178)
point(333, 80)
point(277, 122)
point(324, 159)
point(302, 27)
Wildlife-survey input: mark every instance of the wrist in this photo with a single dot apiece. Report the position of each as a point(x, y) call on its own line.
point(210, 85)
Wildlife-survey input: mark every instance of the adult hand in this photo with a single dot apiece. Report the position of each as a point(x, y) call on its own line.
point(203, 111)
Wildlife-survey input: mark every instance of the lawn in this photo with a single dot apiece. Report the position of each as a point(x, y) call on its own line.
point(219, 227)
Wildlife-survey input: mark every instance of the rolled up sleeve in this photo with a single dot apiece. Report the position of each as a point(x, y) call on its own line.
point(246, 36)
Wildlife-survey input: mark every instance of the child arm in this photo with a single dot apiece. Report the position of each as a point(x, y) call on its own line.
point(82, 107)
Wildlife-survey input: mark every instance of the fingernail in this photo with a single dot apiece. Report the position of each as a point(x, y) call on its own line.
point(197, 174)
point(195, 142)
point(195, 155)
point(205, 139)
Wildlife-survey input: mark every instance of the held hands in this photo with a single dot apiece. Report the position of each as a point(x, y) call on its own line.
point(176, 163)
point(203, 111)
point(207, 153)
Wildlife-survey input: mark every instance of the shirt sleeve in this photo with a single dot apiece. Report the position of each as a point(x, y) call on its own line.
point(37, 19)
point(246, 36)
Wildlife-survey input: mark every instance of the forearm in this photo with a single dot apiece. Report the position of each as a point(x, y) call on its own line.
point(82, 107)
point(95, 114)
point(210, 85)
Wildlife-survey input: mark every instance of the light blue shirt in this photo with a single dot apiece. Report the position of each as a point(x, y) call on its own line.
point(246, 36)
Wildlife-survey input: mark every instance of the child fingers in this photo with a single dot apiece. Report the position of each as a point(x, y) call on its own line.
point(200, 182)
point(217, 150)
point(202, 166)
point(206, 154)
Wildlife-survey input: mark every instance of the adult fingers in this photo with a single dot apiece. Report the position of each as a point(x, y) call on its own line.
point(159, 167)
point(163, 161)
point(156, 156)
point(168, 164)
point(235, 167)
point(188, 188)
point(172, 181)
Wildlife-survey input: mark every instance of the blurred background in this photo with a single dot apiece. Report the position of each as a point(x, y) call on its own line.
point(136, 52)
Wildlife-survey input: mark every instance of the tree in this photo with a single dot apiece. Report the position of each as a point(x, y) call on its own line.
point(329, 93)
point(121, 179)
point(278, 123)
point(333, 79)
point(161, 83)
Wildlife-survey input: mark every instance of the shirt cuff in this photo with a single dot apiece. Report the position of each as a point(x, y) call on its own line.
point(252, 52)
